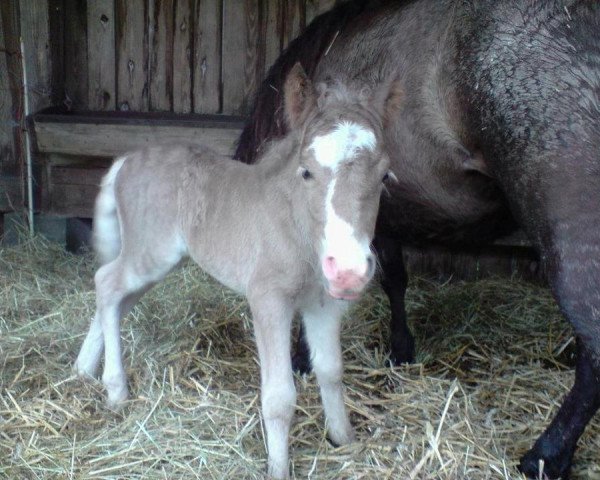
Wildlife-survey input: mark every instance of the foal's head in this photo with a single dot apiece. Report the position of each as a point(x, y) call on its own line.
point(340, 170)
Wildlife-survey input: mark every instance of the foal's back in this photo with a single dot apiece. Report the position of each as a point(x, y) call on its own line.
point(178, 201)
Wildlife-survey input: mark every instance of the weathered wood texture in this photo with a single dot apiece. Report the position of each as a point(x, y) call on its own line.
point(107, 136)
point(182, 56)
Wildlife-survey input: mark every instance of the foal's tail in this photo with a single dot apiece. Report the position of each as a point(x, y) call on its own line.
point(107, 230)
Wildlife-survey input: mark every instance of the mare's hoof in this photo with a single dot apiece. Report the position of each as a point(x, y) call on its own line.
point(301, 363)
point(554, 467)
point(402, 352)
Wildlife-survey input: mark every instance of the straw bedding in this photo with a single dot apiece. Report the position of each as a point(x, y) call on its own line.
point(495, 358)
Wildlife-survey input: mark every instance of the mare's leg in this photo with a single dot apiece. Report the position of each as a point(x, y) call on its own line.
point(574, 274)
point(301, 355)
point(394, 281)
point(556, 445)
point(272, 316)
point(322, 325)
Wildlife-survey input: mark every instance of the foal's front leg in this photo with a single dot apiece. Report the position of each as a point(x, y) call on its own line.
point(322, 323)
point(272, 316)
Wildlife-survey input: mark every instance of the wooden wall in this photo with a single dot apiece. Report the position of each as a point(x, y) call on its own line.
point(182, 56)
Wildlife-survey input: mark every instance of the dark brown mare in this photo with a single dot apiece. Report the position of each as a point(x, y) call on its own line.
point(500, 128)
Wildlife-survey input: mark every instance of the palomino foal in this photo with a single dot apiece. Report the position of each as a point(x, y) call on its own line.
point(292, 233)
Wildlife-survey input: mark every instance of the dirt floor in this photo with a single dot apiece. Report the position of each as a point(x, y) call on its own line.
point(494, 360)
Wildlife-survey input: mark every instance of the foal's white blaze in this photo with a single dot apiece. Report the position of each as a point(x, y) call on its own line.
point(340, 145)
point(332, 150)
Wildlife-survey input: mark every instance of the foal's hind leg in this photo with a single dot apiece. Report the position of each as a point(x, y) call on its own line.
point(394, 281)
point(119, 285)
point(322, 325)
point(88, 359)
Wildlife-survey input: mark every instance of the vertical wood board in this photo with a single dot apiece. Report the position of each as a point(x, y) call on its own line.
point(314, 8)
point(76, 55)
point(101, 55)
point(240, 55)
point(35, 32)
point(182, 56)
point(160, 44)
point(132, 55)
point(271, 32)
point(207, 56)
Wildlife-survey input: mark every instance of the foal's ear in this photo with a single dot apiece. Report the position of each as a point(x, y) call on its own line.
point(388, 100)
point(299, 96)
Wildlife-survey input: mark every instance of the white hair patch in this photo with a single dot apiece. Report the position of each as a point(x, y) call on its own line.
point(335, 147)
point(340, 237)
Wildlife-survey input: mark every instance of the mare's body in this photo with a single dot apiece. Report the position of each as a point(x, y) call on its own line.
point(500, 128)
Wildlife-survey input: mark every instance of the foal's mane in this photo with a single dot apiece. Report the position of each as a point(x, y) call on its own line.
point(267, 118)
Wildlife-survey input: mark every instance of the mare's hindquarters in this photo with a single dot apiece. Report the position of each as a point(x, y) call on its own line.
point(532, 82)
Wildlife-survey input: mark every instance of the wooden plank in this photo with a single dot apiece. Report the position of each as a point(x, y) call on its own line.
point(35, 32)
point(182, 56)
point(77, 174)
point(272, 32)
point(294, 20)
point(73, 200)
point(101, 55)
point(7, 123)
point(76, 55)
point(160, 44)
point(11, 108)
point(132, 55)
point(113, 139)
point(207, 56)
point(56, 40)
point(240, 69)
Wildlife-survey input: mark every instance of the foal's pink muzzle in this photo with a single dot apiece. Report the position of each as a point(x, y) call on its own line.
point(347, 283)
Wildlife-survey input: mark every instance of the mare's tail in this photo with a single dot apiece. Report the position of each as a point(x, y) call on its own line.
point(107, 230)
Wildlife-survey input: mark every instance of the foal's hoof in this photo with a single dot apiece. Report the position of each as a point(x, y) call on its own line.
point(85, 371)
point(551, 468)
point(340, 440)
point(116, 400)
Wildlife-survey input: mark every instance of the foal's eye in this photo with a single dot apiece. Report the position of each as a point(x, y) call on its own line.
point(385, 177)
point(306, 175)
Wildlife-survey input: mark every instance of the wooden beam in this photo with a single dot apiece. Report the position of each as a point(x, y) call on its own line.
point(103, 136)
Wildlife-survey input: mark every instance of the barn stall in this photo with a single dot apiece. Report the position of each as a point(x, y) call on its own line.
point(494, 356)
